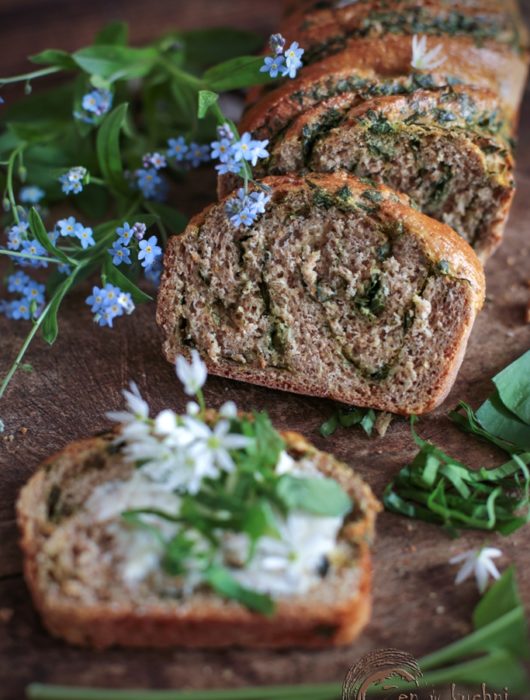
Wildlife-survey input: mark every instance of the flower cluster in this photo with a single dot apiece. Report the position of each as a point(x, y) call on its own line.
point(29, 304)
point(180, 451)
point(71, 228)
point(187, 154)
point(94, 105)
point(200, 457)
point(73, 180)
point(109, 302)
point(282, 62)
point(147, 251)
point(148, 178)
point(423, 59)
point(246, 207)
point(232, 152)
point(31, 194)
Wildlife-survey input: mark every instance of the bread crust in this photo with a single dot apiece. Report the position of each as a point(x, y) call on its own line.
point(207, 623)
point(440, 242)
point(491, 66)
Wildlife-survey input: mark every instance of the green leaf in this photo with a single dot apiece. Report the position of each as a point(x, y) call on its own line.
point(513, 385)
point(116, 62)
point(499, 421)
point(206, 100)
point(54, 57)
point(50, 328)
point(205, 47)
point(330, 426)
point(260, 521)
point(173, 219)
point(236, 73)
point(319, 496)
point(39, 231)
point(108, 149)
point(113, 34)
point(116, 277)
point(226, 585)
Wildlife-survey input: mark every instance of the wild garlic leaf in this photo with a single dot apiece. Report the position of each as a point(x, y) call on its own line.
point(50, 327)
point(513, 385)
point(235, 74)
point(206, 47)
point(112, 34)
point(319, 496)
point(54, 57)
point(115, 276)
point(108, 149)
point(226, 585)
point(207, 99)
point(347, 417)
point(469, 423)
point(116, 62)
point(502, 423)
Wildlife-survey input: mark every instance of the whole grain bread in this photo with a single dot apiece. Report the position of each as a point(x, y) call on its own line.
point(73, 607)
point(372, 66)
point(340, 290)
point(448, 148)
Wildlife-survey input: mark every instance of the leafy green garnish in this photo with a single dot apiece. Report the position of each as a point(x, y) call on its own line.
point(253, 499)
point(504, 418)
point(492, 653)
point(318, 496)
point(347, 418)
point(438, 489)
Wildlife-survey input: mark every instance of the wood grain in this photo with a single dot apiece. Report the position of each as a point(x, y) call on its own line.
point(416, 605)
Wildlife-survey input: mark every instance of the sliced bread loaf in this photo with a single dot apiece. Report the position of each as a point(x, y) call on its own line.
point(448, 149)
point(341, 290)
point(82, 561)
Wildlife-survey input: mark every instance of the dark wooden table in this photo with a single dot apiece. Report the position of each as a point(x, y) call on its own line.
point(416, 604)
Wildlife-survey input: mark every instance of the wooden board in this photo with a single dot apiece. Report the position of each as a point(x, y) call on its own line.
point(416, 605)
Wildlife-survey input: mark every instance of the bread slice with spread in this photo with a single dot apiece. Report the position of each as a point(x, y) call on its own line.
point(339, 290)
point(143, 538)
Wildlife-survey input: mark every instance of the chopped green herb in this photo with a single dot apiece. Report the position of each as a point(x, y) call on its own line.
point(439, 489)
point(347, 418)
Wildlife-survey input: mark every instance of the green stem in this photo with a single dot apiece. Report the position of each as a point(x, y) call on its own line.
point(9, 183)
point(330, 691)
point(30, 76)
point(25, 345)
point(182, 75)
point(16, 254)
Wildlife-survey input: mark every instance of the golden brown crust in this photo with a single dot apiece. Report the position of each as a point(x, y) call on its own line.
point(492, 67)
point(440, 243)
point(207, 624)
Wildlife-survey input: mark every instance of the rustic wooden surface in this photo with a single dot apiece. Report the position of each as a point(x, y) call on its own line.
point(416, 606)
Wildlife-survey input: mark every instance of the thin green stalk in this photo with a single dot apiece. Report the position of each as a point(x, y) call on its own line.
point(30, 76)
point(197, 83)
point(9, 182)
point(16, 254)
point(330, 691)
point(25, 345)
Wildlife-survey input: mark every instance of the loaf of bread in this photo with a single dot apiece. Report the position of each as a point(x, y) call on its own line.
point(75, 543)
point(340, 290)
point(372, 66)
point(324, 28)
point(447, 148)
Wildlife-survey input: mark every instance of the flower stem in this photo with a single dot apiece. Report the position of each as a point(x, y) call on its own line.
point(30, 76)
point(9, 184)
point(25, 345)
point(202, 402)
point(15, 254)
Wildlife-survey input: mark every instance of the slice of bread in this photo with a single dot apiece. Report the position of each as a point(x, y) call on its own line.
point(447, 148)
point(72, 572)
point(339, 290)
